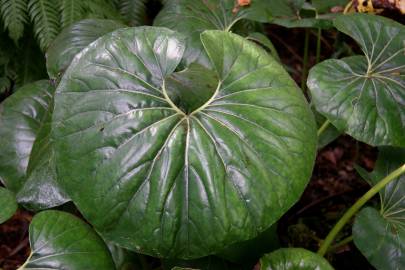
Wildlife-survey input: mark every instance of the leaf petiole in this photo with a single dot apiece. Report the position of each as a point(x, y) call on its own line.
point(356, 207)
point(323, 127)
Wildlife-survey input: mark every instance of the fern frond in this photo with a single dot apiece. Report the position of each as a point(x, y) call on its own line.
point(134, 11)
point(71, 11)
point(44, 14)
point(14, 14)
point(101, 9)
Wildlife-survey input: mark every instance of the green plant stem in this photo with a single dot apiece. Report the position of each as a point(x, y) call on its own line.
point(341, 243)
point(323, 127)
point(356, 206)
point(305, 61)
point(318, 45)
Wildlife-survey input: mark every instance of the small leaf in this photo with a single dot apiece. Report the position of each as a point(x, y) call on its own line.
point(380, 235)
point(8, 204)
point(293, 259)
point(364, 96)
point(293, 14)
point(60, 240)
point(380, 240)
point(73, 39)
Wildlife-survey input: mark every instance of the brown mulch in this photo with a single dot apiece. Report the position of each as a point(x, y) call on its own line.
point(14, 245)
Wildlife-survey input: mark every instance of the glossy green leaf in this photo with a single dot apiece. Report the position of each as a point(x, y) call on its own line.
point(192, 17)
point(8, 204)
point(73, 39)
point(21, 116)
point(26, 157)
point(293, 259)
point(41, 190)
point(223, 173)
point(364, 96)
point(60, 240)
point(380, 235)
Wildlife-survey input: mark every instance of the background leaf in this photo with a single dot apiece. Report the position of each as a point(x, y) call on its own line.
point(364, 95)
point(26, 155)
point(199, 15)
point(380, 235)
point(62, 241)
point(8, 204)
point(293, 259)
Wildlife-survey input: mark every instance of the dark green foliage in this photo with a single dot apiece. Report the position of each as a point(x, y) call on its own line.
point(189, 144)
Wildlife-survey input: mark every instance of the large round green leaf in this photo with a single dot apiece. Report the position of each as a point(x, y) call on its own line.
point(365, 95)
point(192, 17)
point(73, 39)
point(8, 204)
point(293, 259)
point(62, 241)
point(26, 153)
point(380, 235)
point(189, 176)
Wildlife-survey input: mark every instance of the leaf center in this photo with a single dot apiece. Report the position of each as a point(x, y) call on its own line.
point(190, 89)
